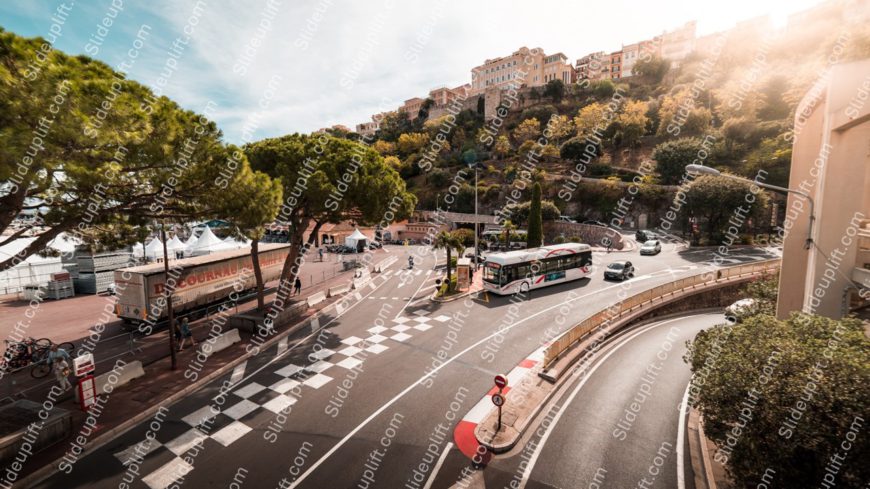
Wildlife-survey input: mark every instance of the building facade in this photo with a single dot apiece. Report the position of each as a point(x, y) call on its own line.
point(615, 71)
point(524, 67)
point(676, 45)
point(830, 162)
point(593, 66)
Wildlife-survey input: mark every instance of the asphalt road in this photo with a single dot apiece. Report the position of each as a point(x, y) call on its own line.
point(617, 425)
point(368, 418)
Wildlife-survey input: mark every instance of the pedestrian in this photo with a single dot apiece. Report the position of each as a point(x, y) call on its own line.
point(320, 252)
point(59, 360)
point(183, 333)
point(297, 286)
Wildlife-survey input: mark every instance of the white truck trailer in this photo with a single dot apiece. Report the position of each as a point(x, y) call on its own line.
point(199, 282)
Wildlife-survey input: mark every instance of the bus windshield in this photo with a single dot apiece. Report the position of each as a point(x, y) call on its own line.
point(492, 273)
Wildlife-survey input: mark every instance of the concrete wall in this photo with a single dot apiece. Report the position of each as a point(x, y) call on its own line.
point(592, 235)
point(831, 162)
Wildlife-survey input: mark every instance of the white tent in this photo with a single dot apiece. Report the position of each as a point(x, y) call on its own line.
point(192, 239)
point(175, 244)
point(154, 249)
point(205, 244)
point(356, 240)
point(233, 243)
point(35, 269)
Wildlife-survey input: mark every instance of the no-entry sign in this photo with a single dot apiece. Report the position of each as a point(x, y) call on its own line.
point(501, 381)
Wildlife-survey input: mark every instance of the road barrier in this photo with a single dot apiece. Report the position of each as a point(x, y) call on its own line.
point(118, 376)
point(338, 290)
point(646, 299)
point(220, 342)
point(316, 298)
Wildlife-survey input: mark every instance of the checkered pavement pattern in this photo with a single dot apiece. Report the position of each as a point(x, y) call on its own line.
point(254, 403)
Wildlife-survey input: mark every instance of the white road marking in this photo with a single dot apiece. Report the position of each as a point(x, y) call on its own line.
point(438, 465)
point(231, 432)
point(681, 435)
point(239, 372)
point(428, 272)
point(282, 346)
point(167, 474)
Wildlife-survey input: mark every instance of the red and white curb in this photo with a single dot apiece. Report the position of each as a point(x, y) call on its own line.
point(464, 435)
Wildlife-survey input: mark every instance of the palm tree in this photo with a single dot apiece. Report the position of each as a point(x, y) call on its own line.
point(445, 241)
point(509, 227)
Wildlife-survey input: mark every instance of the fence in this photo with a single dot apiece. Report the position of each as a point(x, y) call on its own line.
point(645, 298)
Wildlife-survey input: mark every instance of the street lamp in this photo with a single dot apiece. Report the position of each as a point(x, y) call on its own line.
point(706, 170)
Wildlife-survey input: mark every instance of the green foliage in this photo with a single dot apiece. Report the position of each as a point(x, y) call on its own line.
point(603, 89)
point(673, 156)
point(327, 179)
point(536, 229)
point(652, 70)
point(575, 149)
point(448, 242)
point(464, 236)
point(810, 367)
point(539, 112)
point(770, 160)
point(555, 89)
point(717, 198)
point(411, 143)
point(438, 178)
point(528, 130)
point(765, 291)
point(113, 156)
point(632, 122)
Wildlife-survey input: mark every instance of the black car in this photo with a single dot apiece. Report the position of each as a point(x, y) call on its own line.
point(643, 235)
point(619, 270)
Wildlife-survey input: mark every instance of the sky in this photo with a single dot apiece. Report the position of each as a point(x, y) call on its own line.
point(263, 68)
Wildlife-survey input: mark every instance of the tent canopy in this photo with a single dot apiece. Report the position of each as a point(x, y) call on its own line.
point(356, 239)
point(154, 248)
point(175, 244)
point(205, 244)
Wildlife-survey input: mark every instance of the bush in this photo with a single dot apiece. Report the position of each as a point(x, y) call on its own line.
point(673, 156)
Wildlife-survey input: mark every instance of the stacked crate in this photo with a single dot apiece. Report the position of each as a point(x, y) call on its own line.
point(96, 272)
point(60, 286)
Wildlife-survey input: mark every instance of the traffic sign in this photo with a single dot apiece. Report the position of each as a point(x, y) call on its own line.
point(498, 400)
point(501, 381)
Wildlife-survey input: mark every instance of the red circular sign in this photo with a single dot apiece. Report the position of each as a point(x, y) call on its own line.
point(501, 381)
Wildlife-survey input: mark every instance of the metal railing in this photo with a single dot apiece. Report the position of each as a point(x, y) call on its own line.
point(647, 297)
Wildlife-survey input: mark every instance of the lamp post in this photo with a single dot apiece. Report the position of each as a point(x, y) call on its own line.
point(168, 292)
point(476, 264)
point(706, 170)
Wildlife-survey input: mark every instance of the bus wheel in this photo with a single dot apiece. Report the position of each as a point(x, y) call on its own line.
point(524, 288)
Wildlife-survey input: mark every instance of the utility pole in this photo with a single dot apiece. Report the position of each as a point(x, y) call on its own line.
point(168, 293)
point(476, 264)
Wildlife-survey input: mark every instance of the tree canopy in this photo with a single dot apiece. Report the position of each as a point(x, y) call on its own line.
point(784, 395)
point(95, 153)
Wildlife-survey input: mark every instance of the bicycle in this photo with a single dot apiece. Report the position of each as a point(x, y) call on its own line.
point(42, 366)
point(20, 354)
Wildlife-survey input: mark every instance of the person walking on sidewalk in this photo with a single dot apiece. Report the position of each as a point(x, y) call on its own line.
point(59, 360)
point(320, 252)
point(297, 286)
point(183, 333)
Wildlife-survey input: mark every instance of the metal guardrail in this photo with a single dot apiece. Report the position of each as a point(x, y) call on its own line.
point(643, 299)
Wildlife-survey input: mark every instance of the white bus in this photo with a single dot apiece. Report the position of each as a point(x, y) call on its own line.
point(523, 270)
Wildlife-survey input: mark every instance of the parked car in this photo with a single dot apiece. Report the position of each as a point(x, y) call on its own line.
point(741, 309)
point(593, 222)
point(644, 235)
point(651, 247)
point(567, 219)
point(619, 270)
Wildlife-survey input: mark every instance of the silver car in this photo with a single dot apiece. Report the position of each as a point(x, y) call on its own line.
point(651, 247)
